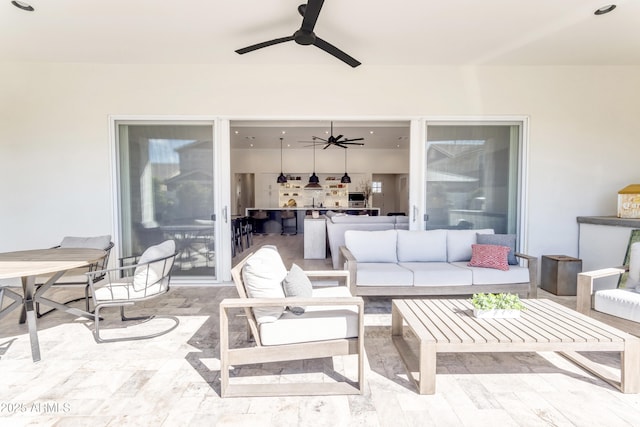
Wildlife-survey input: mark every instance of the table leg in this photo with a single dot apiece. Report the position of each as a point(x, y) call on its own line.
point(427, 367)
point(630, 359)
point(28, 284)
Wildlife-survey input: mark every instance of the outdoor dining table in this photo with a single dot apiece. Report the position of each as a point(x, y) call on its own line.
point(29, 264)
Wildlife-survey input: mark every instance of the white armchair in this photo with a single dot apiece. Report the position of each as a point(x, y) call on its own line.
point(622, 301)
point(319, 322)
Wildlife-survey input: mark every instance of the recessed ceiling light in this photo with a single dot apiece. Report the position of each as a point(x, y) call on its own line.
point(237, 132)
point(22, 5)
point(604, 9)
point(371, 132)
point(284, 132)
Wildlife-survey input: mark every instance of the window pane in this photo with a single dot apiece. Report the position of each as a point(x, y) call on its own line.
point(166, 192)
point(472, 175)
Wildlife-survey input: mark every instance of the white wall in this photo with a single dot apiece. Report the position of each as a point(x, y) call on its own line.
point(54, 137)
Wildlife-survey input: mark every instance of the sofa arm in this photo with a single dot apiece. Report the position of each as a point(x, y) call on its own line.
point(532, 265)
point(584, 288)
point(350, 265)
point(331, 274)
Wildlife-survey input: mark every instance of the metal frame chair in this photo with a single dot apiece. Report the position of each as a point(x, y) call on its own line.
point(129, 284)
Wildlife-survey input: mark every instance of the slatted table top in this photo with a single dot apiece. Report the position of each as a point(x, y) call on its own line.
point(543, 326)
point(44, 261)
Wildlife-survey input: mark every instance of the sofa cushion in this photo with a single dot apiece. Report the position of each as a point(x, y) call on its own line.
point(372, 246)
point(489, 256)
point(459, 243)
point(501, 240)
point(383, 274)
point(492, 276)
point(618, 302)
point(438, 274)
point(297, 284)
point(317, 323)
point(262, 275)
point(422, 246)
point(149, 274)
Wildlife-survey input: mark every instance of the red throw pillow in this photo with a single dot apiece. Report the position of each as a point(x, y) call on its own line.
point(489, 256)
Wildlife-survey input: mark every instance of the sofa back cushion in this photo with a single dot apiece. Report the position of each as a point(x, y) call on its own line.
point(262, 276)
point(363, 219)
point(459, 243)
point(422, 246)
point(372, 246)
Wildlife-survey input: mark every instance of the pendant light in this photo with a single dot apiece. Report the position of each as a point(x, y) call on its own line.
point(281, 179)
point(346, 179)
point(314, 181)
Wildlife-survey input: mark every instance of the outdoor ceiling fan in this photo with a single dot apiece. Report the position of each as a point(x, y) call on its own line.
point(305, 35)
point(338, 141)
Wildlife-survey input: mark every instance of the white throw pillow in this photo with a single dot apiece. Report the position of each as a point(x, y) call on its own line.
point(97, 242)
point(459, 243)
point(147, 275)
point(262, 275)
point(297, 284)
point(372, 246)
point(422, 246)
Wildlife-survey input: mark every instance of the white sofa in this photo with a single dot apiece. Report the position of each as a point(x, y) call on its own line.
point(433, 262)
point(337, 224)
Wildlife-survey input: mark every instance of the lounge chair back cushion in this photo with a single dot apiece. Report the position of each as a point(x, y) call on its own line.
point(149, 274)
point(262, 275)
point(97, 242)
point(633, 280)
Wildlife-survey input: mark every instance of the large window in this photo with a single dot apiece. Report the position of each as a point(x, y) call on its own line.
point(472, 176)
point(165, 175)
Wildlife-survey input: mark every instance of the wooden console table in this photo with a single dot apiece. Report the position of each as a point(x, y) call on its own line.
point(448, 326)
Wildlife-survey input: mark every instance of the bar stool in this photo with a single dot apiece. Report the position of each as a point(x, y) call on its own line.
point(287, 216)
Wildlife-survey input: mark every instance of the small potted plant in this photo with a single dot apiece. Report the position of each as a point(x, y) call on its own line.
point(497, 306)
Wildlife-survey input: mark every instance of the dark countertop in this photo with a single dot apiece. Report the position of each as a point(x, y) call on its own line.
point(609, 220)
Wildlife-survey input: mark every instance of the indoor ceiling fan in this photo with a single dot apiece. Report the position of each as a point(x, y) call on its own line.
point(338, 141)
point(305, 35)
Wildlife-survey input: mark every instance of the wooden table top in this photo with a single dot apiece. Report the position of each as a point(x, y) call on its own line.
point(44, 261)
point(544, 325)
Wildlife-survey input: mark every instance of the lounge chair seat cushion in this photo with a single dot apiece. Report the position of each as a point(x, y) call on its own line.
point(317, 323)
point(124, 290)
point(618, 302)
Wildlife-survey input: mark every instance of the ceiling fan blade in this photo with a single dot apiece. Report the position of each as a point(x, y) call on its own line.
point(332, 50)
point(264, 44)
point(338, 138)
point(353, 139)
point(310, 13)
point(327, 146)
point(352, 143)
point(339, 144)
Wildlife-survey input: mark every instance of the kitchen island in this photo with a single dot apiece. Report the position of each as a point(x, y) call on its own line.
point(269, 220)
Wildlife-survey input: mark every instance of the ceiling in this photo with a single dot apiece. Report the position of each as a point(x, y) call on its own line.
point(376, 32)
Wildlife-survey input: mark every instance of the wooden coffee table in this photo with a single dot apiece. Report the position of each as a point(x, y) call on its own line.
point(448, 326)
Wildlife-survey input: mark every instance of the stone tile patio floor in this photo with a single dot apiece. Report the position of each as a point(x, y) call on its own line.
point(173, 380)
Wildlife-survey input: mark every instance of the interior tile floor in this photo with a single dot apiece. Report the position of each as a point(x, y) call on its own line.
point(173, 380)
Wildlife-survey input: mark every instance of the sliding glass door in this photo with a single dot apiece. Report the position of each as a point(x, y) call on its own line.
point(472, 175)
point(166, 191)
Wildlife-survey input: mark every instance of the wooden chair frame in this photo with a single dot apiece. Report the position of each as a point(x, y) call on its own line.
point(287, 352)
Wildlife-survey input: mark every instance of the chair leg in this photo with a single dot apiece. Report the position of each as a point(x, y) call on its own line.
point(124, 318)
